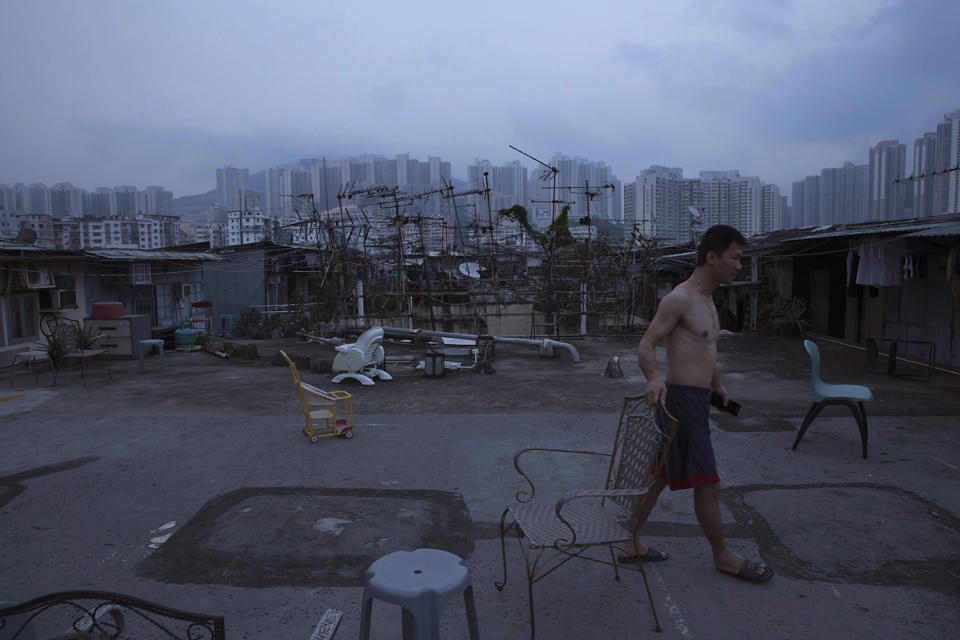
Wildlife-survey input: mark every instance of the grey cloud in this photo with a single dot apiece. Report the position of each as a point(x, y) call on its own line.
point(868, 85)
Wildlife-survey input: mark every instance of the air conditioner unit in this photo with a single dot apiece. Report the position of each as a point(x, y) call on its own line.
point(141, 273)
point(36, 276)
point(68, 299)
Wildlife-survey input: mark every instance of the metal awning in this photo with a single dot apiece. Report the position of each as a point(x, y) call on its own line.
point(940, 231)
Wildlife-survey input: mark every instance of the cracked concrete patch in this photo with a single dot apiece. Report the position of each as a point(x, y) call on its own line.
point(871, 548)
point(259, 537)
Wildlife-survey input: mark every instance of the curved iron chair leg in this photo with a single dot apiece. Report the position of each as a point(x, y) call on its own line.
point(503, 549)
point(812, 414)
point(656, 619)
point(613, 561)
point(863, 428)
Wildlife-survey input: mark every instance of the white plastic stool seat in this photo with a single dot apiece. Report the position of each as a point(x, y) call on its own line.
point(30, 357)
point(422, 582)
point(149, 344)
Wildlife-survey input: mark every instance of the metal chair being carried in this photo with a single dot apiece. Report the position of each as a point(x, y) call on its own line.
point(550, 535)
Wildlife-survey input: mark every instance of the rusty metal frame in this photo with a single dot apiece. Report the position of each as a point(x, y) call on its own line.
point(91, 615)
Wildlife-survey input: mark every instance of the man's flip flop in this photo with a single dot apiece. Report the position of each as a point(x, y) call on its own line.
point(652, 555)
point(750, 572)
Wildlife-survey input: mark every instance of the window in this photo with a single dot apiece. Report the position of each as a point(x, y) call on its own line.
point(20, 314)
point(141, 273)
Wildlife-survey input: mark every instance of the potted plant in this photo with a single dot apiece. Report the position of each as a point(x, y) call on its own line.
point(55, 350)
point(86, 337)
point(786, 316)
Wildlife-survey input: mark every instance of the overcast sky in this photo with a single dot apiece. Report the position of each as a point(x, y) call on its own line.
point(108, 93)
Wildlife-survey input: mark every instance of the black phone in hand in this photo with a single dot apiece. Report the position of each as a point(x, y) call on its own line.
point(733, 408)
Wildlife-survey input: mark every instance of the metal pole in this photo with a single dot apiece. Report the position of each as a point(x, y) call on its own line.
point(583, 308)
point(360, 302)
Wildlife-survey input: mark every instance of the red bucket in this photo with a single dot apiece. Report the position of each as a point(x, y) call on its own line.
point(106, 310)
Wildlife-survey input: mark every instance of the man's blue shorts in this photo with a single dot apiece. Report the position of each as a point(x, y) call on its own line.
point(690, 460)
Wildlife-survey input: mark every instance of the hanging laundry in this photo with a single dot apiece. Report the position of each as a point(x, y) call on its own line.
point(908, 268)
point(881, 264)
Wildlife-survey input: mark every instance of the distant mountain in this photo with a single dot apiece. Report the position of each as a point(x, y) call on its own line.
point(194, 208)
point(258, 181)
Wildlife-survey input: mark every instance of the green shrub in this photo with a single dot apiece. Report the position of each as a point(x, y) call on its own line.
point(253, 324)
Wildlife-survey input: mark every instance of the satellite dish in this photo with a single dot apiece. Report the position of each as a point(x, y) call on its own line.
point(470, 269)
point(27, 236)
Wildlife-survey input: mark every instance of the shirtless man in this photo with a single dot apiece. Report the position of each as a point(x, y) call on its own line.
point(687, 319)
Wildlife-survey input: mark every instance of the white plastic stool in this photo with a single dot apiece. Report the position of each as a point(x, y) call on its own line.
point(422, 582)
point(30, 357)
point(149, 344)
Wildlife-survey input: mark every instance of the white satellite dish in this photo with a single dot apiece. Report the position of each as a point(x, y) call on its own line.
point(470, 269)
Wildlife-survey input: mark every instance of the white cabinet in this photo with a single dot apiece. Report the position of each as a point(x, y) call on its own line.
point(122, 335)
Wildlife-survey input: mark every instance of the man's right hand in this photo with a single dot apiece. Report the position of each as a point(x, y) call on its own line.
point(655, 393)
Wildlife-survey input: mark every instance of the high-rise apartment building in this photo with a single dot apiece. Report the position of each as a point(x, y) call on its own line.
point(157, 201)
point(273, 190)
point(629, 204)
point(230, 182)
point(575, 174)
point(949, 162)
point(811, 202)
point(924, 165)
point(326, 179)
point(102, 203)
point(836, 196)
point(664, 199)
point(886, 186)
point(508, 184)
point(38, 198)
point(658, 193)
point(66, 200)
point(771, 208)
point(294, 181)
point(126, 201)
point(8, 200)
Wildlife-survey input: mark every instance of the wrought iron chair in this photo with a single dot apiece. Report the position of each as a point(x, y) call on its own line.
point(550, 535)
point(101, 614)
point(851, 396)
point(73, 345)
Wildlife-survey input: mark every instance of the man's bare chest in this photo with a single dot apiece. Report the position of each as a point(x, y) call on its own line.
point(701, 320)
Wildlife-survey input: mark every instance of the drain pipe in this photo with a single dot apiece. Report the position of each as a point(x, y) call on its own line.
point(546, 346)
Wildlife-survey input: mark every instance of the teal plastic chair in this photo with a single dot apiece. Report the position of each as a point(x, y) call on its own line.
point(851, 396)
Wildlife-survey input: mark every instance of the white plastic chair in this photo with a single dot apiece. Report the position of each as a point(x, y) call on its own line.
point(361, 360)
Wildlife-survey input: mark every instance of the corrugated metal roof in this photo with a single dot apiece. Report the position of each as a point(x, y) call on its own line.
point(10, 245)
point(949, 229)
point(150, 255)
point(864, 231)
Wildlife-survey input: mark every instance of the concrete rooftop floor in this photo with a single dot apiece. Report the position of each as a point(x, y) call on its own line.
point(91, 479)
